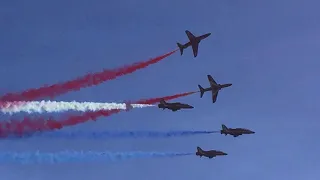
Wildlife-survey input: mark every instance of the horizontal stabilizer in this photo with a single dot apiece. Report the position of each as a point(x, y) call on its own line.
point(201, 91)
point(180, 48)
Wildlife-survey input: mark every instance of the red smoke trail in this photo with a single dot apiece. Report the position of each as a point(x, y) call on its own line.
point(32, 125)
point(82, 82)
point(20, 127)
point(8, 104)
point(166, 98)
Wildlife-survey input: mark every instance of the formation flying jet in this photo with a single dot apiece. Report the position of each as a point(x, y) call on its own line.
point(193, 42)
point(214, 88)
point(128, 106)
point(235, 131)
point(173, 106)
point(210, 154)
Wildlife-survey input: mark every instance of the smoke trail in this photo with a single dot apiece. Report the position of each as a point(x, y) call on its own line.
point(81, 82)
point(54, 106)
point(156, 100)
point(107, 134)
point(73, 120)
point(76, 156)
point(31, 125)
point(41, 124)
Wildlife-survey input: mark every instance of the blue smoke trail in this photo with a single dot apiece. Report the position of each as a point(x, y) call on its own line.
point(107, 134)
point(79, 156)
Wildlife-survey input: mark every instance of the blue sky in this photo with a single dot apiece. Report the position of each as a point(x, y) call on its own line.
point(269, 50)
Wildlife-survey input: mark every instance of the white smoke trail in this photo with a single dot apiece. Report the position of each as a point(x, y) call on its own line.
point(80, 156)
point(61, 106)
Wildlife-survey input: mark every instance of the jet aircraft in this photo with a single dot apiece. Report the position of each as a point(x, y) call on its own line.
point(214, 88)
point(210, 154)
point(173, 106)
point(193, 42)
point(235, 131)
point(128, 106)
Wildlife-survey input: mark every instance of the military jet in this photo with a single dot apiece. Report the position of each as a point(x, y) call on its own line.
point(210, 154)
point(193, 42)
point(214, 88)
point(173, 106)
point(235, 131)
point(128, 106)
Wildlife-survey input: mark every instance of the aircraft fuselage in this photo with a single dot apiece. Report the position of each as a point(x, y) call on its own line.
point(216, 87)
point(236, 132)
point(210, 154)
point(196, 40)
point(175, 106)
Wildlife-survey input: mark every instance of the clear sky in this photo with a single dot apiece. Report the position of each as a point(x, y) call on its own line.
point(269, 50)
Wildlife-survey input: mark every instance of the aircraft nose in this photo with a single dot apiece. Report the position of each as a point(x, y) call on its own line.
point(252, 132)
point(224, 154)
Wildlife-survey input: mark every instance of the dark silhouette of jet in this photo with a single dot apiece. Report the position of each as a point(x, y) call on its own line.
point(214, 88)
point(128, 106)
point(193, 42)
point(173, 106)
point(235, 131)
point(210, 154)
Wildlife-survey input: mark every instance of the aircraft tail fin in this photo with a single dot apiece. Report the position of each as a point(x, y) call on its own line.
point(162, 101)
point(199, 152)
point(199, 149)
point(180, 48)
point(201, 91)
point(224, 127)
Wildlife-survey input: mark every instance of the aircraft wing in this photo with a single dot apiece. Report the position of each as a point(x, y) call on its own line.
point(214, 96)
point(211, 80)
point(194, 44)
point(191, 37)
point(174, 108)
point(195, 47)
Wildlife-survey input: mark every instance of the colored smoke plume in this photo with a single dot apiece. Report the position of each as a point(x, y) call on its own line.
point(61, 106)
point(81, 82)
point(33, 125)
point(30, 125)
point(122, 134)
point(79, 156)
point(166, 98)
